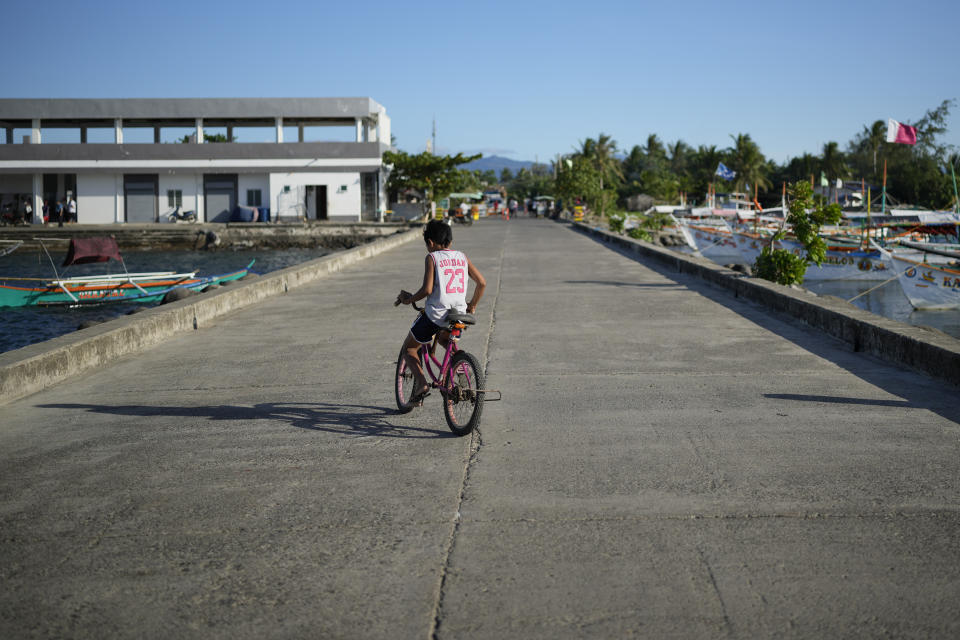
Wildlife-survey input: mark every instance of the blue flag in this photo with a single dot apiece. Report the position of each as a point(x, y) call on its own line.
point(723, 172)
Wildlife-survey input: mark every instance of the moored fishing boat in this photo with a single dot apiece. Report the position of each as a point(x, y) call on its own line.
point(927, 286)
point(843, 263)
point(714, 242)
point(102, 289)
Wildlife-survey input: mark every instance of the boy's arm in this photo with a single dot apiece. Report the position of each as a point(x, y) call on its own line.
point(425, 289)
point(481, 284)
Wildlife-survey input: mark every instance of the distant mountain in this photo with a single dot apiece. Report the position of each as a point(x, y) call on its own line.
point(497, 163)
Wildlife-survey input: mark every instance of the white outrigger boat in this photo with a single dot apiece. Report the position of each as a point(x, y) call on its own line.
point(926, 285)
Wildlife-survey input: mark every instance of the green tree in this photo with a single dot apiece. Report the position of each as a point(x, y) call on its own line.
point(833, 164)
point(806, 219)
point(506, 175)
point(749, 163)
point(656, 154)
point(703, 166)
point(601, 154)
point(435, 176)
point(577, 177)
point(216, 137)
point(800, 168)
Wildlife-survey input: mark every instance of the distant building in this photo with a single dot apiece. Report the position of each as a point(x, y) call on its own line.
point(114, 181)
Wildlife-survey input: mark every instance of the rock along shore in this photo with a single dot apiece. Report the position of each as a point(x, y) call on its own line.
point(195, 236)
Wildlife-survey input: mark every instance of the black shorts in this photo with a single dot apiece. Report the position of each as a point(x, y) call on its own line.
point(424, 329)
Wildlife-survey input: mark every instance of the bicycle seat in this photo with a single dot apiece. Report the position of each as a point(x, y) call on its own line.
point(456, 316)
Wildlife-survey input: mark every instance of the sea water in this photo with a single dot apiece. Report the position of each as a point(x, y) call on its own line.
point(22, 326)
point(889, 301)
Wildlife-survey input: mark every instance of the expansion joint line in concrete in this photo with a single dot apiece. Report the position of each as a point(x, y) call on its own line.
point(476, 441)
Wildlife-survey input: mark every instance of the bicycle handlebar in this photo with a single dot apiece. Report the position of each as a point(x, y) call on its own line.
point(397, 303)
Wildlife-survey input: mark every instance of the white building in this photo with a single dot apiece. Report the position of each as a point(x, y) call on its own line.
point(144, 179)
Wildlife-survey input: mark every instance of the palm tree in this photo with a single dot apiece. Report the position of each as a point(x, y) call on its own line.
point(833, 164)
point(704, 163)
point(656, 155)
point(749, 163)
point(679, 156)
point(875, 136)
point(600, 153)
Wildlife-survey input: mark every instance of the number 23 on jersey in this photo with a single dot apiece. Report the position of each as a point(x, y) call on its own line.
point(456, 280)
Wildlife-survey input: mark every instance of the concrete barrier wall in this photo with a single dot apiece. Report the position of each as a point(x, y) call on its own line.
point(36, 367)
point(918, 348)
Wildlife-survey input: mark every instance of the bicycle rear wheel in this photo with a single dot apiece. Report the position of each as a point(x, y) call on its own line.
point(404, 385)
point(463, 398)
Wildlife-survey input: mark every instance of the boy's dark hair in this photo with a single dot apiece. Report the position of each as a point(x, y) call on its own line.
point(439, 232)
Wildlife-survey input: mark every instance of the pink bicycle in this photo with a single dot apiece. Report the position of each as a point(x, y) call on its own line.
point(458, 378)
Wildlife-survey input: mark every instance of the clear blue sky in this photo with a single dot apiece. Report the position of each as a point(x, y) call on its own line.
point(522, 79)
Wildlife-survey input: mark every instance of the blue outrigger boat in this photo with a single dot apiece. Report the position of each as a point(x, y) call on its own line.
point(101, 289)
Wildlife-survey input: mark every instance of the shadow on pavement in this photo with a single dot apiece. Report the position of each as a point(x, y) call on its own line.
point(639, 285)
point(343, 419)
point(918, 390)
point(802, 397)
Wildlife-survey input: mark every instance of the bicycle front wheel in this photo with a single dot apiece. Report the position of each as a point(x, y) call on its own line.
point(404, 384)
point(463, 394)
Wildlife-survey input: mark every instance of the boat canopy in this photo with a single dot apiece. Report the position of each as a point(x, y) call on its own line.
point(85, 250)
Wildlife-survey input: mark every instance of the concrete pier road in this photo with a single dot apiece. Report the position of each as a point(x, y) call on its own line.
point(667, 462)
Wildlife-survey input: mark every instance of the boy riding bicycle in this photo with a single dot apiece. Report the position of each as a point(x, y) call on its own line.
point(445, 273)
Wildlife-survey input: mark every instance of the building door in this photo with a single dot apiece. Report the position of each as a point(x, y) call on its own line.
point(219, 197)
point(316, 201)
point(321, 201)
point(368, 195)
point(140, 197)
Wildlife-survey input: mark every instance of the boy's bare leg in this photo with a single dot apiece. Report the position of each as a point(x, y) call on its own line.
point(411, 347)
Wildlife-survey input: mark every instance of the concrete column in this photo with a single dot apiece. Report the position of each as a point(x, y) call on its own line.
point(199, 132)
point(118, 130)
point(35, 131)
point(156, 135)
point(37, 198)
point(279, 125)
point(118, 199)
point(300, 133)
point(83, 135)
point(201, 200)
point(9, 135)
point(359, 124)
point(229, 134)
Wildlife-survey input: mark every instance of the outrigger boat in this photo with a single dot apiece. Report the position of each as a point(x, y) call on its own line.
point(101, 289)
point(926, 285)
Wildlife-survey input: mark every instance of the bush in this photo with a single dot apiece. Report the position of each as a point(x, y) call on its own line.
point(805, 218)
point(780, 266)
point(656, 221)
point(640, 234)
point(616, 223)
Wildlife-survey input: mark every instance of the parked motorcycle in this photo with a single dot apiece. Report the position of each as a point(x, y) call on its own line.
point(10, 215)
point(458, 216)
point(182, 216)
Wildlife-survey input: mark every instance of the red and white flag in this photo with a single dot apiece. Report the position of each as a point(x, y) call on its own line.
point(902, 133)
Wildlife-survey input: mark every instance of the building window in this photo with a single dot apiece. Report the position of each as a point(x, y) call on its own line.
point(254, 198)
point(174, 198)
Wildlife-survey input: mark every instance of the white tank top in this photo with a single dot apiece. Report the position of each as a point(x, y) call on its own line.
point(449, 285)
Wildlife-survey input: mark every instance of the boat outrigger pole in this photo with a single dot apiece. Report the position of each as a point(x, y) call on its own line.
point(883, 210)
point(56, 273)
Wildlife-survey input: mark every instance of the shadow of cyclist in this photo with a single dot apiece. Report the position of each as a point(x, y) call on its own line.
point(343, 419)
